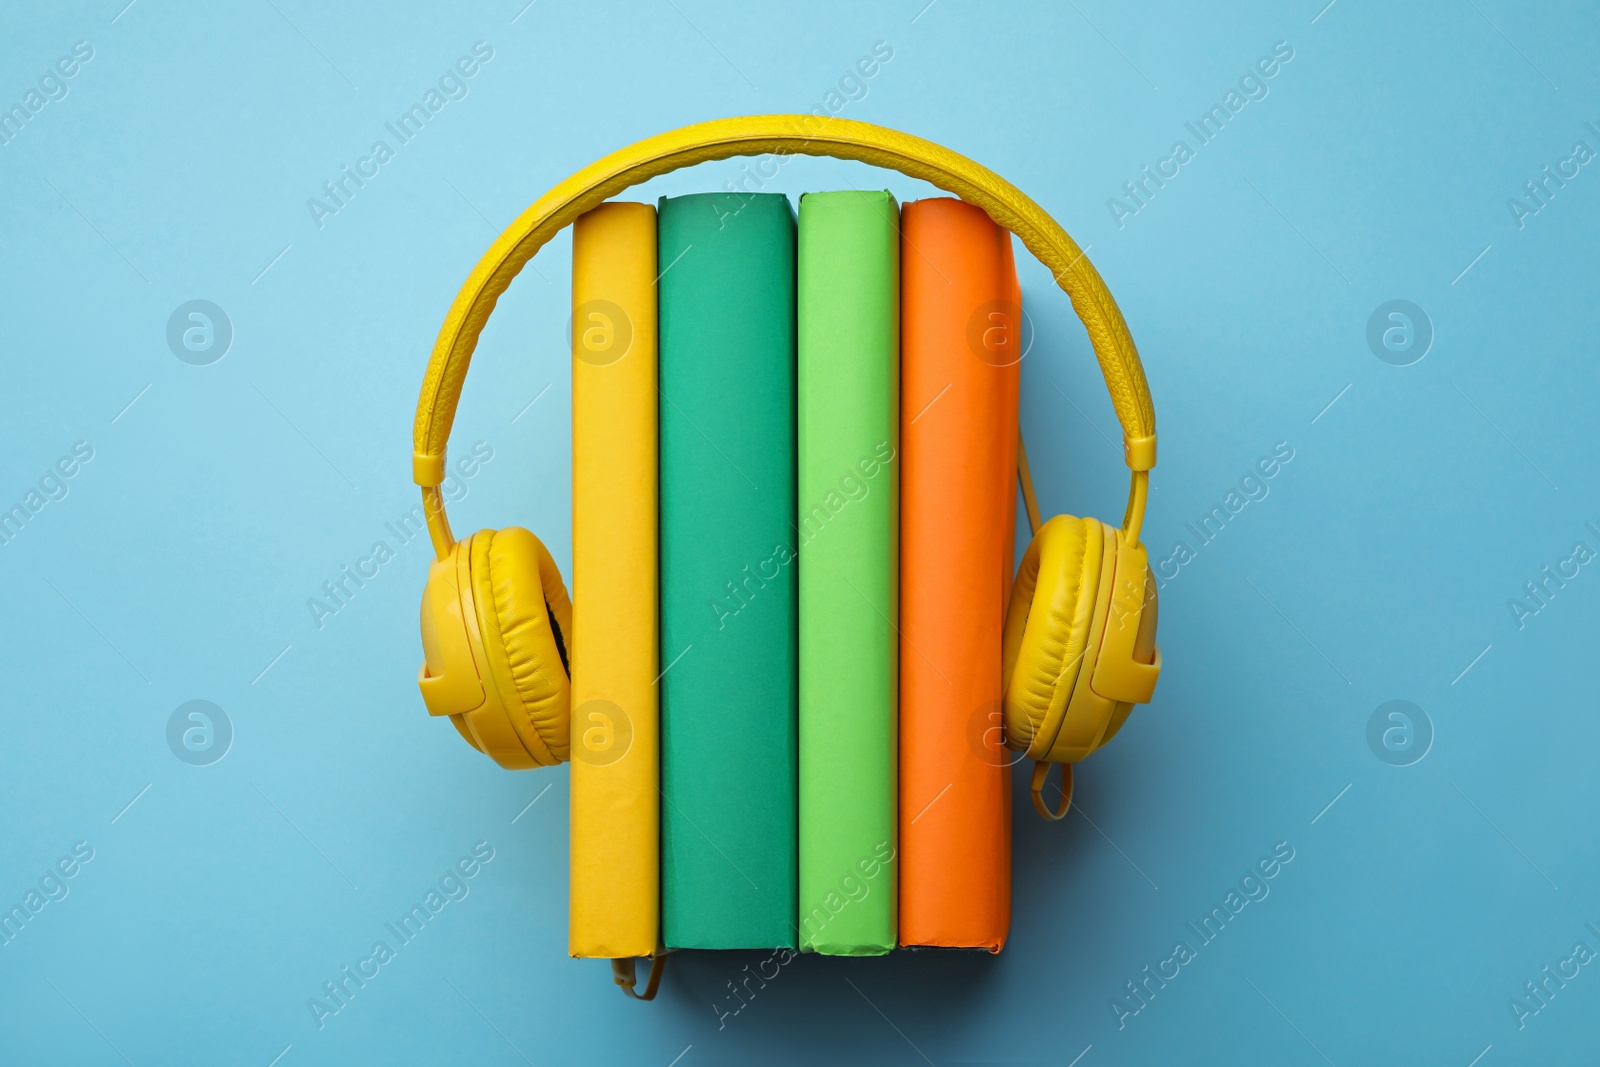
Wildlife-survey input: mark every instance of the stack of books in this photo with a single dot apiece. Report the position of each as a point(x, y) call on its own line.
point(794, 453)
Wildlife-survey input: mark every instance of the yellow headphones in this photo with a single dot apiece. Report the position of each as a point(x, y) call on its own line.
point(1079, 646)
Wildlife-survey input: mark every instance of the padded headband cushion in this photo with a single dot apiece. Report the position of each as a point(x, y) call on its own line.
point(780, 135)
point(518, 591)
point(1047, 628)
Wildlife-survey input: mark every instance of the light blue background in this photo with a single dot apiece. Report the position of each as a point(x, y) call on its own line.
point(179, 565)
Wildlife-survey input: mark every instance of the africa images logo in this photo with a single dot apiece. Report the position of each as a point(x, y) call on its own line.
point(453, 886)
point(1253, 887)
point(1252, 86)
point(338, 192)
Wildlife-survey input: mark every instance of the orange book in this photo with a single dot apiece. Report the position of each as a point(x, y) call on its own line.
point(960, 346)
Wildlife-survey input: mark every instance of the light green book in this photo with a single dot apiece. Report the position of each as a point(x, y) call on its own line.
point(848, 539)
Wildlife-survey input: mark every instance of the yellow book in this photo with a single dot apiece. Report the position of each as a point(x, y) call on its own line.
point(615, 906)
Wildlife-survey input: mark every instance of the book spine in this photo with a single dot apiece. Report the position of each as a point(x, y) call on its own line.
point(728, 571)
point(960, 348)
point(848, 524)
point(615, 887)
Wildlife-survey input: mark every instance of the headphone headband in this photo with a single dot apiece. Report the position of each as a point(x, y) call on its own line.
point(779, 135)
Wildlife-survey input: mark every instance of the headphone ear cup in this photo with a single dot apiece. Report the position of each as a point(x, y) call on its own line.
point(1047, 629)
point(525, 617)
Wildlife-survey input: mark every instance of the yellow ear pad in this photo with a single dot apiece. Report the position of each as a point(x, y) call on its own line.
point(524, 618)
point(1047, 628)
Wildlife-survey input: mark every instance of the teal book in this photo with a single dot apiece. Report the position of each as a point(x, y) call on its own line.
point(728, 571)
point(848, 528)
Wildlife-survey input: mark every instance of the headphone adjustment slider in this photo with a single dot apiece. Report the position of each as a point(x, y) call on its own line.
point(1139, 452)
point(427, 468)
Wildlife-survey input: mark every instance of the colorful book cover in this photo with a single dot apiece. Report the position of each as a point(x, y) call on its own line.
point(848, 533)
point(728, 571)
point(960, 349)
point(615, 889)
